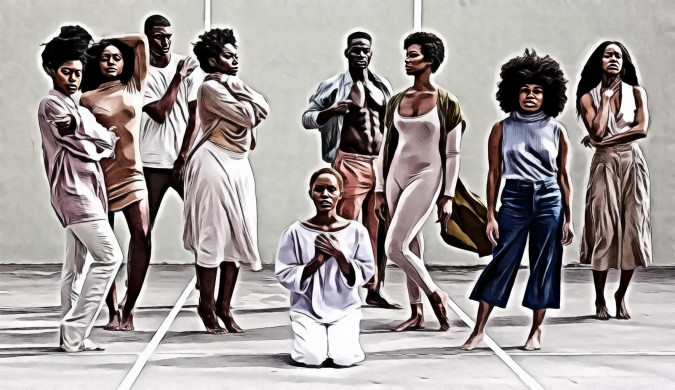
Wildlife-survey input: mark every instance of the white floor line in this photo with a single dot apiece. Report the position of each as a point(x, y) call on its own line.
point(417, 15)
point(132, 375)
point(518, 370)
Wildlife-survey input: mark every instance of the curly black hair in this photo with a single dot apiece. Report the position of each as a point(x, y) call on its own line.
point(591, 75)
point(92, 76)
point(211, 45)
point(532, 69)
point(70, 45)
point(432, 47)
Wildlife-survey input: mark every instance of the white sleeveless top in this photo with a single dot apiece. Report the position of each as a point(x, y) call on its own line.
point(622, 121)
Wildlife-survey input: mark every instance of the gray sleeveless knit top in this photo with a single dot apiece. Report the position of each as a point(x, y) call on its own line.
point(530, 146)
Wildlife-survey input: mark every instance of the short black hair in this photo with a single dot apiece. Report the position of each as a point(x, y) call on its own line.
point(70, 45)
point(591, 75)
point(154, 21)
point(358, 35)
point(532, 69)
point(93, 77)
point(330, 171)
point(432, 47)
point(210, 45)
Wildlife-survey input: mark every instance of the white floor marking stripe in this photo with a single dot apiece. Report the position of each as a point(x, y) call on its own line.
point(207, 15)
point(157, 338)
point(417, 15)
point(518, 370)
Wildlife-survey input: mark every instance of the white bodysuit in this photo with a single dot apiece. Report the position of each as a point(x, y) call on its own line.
point(412, 188)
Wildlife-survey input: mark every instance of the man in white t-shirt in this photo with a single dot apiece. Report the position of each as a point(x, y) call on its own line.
point(169, 122)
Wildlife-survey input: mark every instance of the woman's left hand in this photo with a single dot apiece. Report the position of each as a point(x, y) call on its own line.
point(328, 244)
point(444, 209)
point(568, 233)
point(588, 142)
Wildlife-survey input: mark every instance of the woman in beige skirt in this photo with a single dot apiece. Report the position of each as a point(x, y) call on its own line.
point(617, 231)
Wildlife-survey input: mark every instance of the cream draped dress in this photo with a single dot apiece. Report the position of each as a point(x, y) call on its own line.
point(220, 202)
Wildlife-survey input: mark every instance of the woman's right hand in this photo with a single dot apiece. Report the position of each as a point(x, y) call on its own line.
point(492, 231)
point(609, 91)
point(380, 206)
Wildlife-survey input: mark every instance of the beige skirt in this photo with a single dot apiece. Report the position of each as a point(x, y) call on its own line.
point(617, 229)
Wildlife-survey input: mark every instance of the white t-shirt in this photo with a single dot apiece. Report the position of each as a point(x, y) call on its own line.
point(161, 142)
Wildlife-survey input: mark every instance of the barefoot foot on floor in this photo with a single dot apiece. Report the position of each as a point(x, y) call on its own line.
point(416, 322)
point(210, 320)
point(621, 311)
point(533, 342)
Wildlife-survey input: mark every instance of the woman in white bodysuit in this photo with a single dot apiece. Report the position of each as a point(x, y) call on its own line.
point(417, 168)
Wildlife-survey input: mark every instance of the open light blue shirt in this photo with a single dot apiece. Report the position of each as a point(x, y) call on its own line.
point(330, 91)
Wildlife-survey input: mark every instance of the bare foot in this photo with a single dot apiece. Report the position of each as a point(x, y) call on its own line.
point(416, 322)
point(533, 343)
point(114, 321)
point(601, 312)
point(473, 341)
point(228, 320)
point(210, 320)
point(621, 311)
point(376, 299)
point(88, 345)
point(127, 322)
point(439, 302)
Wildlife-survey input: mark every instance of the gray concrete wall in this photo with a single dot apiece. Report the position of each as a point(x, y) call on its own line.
point(287, 47)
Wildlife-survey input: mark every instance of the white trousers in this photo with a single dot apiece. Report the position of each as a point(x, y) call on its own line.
point(315, 342)
point(93, 257)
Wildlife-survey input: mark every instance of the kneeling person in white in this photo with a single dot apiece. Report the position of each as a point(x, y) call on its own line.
point(323, 261)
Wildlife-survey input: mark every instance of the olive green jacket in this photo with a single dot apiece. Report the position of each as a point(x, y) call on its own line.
point(466, 227)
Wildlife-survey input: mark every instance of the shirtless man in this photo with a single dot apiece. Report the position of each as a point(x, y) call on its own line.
point(348, 109)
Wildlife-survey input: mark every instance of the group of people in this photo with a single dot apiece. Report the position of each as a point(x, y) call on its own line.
point(393, 158)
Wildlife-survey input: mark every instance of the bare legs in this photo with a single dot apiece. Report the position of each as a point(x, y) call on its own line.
point(137, 216)
point(619, 296)
point(138, 219)
point(209, 310)
point(207, 306)
point(484, 309)
point(533, 342)
point(599, 279)
point(228, 279)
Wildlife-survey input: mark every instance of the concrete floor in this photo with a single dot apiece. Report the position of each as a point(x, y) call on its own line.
point(578, 351)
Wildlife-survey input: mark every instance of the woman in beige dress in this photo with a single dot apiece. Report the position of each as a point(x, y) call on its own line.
point(221, 227)
point(113, 92)
point(617, 231)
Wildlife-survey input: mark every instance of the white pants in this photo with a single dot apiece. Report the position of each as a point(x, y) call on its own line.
point(315, 342)
point(93, 257)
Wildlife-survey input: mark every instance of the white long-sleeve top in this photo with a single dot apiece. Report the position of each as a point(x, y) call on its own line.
point(71, 161)
point(326, 296)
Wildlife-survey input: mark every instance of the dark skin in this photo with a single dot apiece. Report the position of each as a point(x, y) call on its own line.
point(596, 125)
point(209, 310)
point(66, 79)
point(418, 100)
point(531, 97)
point(159, 42)
point(363, 108)
point(137, 216)
point(325, 193)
